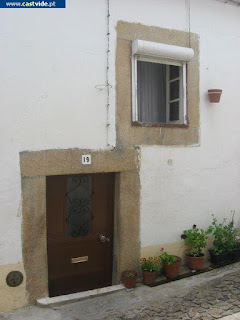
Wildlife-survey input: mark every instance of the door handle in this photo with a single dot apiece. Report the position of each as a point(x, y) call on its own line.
point(103, 238)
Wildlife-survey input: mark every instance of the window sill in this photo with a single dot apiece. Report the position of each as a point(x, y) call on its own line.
point(165, 125)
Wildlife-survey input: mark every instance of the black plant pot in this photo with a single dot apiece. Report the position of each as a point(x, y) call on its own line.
point(235, 254)
point(218, 258)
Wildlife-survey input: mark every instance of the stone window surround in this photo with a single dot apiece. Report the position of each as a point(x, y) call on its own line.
point(129, 133)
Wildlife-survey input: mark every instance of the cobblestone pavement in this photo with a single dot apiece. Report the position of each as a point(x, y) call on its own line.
point(214, 300)
point(211, 295)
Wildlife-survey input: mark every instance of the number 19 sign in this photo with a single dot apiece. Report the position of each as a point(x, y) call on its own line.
point(86, 159)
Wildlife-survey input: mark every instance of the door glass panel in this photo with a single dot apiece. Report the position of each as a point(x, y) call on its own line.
point(79, 205)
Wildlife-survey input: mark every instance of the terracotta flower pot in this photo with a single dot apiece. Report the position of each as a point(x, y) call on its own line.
point(172, 270)
point(214, 95)
point(149, 277)
point(129, 282)
point(195, 263)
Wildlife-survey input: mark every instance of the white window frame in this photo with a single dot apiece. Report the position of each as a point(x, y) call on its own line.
point(182, 89)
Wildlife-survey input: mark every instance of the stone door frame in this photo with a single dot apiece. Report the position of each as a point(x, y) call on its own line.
point(35, 166)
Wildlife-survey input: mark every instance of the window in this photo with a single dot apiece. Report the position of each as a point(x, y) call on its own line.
point(159, 83)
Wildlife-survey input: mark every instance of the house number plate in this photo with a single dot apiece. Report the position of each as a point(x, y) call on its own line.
point(86, 159)
point(79, 259)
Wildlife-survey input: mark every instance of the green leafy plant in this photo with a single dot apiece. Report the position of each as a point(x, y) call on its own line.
point(225, 238)
point(150, 264)
point(129, 275)
point(196, 240)
point(166, 257)
point(237, 238)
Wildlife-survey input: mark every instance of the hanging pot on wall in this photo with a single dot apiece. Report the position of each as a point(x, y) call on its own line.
point(214, 95)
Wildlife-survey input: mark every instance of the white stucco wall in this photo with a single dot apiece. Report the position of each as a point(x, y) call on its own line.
point(185, 185)
point(181, 186)
point(50, 62)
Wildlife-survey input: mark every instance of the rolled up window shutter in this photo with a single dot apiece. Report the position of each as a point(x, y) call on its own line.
point(161, 50)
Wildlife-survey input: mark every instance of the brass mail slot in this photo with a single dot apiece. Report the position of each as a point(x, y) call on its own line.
point(79, 259)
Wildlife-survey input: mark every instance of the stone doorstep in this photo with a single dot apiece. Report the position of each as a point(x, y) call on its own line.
point(69, 298)
point(234, 316)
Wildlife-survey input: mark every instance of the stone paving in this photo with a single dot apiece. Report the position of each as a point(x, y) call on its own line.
point(212, 295)
point(214, 300)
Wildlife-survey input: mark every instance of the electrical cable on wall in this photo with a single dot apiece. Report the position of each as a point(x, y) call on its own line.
point(107, 85)
point(188, 6)
point(234, 2)
point(107, 69)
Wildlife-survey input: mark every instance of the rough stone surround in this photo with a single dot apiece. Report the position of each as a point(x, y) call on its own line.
point(130, 135)
point(35, 166)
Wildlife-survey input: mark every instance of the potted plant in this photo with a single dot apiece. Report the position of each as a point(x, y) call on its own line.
point(171, 264)
point(150, 266)
point(236, 252)
point(129, 278)
point(225, 244)
point(196, 240)
point(236, 249)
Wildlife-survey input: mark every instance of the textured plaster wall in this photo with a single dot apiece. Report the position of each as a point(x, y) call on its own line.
point(51, 61)
point(12, 297)
point(184, 185)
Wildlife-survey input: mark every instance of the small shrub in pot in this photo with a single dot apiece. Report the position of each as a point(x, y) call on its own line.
point(196, 240)
point(171, 264)
point(150, 266)
point(226, 241)
point(129, 278)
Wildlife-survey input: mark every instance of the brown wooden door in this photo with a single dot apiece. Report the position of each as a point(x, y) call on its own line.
point(79, 210)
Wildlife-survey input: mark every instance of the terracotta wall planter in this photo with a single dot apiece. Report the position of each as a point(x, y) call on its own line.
point(172, 270)
point(195, 263)
point(214, 95)
point(149, 277)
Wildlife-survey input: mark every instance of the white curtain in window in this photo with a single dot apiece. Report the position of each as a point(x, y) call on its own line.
point(151, 92)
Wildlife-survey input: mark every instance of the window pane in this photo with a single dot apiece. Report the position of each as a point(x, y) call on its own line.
point(174, 90)
point(151, 93)
point(174, 111)
point(79, 205)
point(174, 72)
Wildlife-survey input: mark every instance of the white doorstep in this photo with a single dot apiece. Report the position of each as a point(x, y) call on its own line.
point(56, 301)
